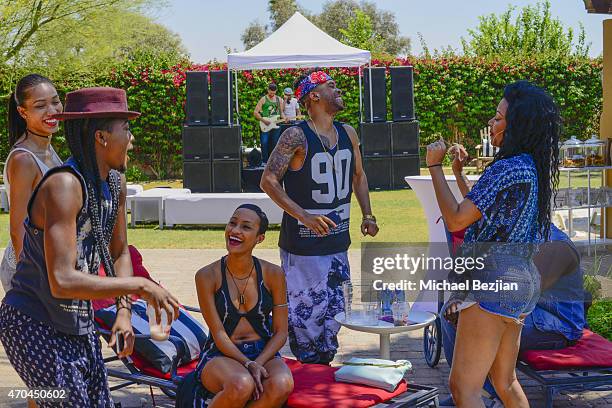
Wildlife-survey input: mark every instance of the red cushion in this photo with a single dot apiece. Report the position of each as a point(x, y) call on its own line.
point(137, 267)
point(591, 351)
point(315, 386)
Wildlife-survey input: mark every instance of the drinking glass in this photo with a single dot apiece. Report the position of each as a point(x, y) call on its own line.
point(400, 309)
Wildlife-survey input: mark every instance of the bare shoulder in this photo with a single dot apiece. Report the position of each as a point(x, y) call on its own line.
point(352, 133)
point(270, 268)
point(208, 273)
point(271, 272)
point(63, 184)
point(293, 138)
point(56, 188)
point(290, 142)
point(22, 164)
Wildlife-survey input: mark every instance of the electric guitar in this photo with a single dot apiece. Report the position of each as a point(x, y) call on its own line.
point(274, 119)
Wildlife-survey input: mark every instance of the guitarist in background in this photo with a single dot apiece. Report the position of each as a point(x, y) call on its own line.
point(292, 107)
point(269, 111)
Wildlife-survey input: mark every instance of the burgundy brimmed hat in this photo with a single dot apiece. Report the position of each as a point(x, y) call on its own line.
point(103, 102)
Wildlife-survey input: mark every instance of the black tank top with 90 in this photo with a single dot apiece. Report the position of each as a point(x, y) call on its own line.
point(323, 185)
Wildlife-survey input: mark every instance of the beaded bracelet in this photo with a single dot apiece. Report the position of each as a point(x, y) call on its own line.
point(119, 304)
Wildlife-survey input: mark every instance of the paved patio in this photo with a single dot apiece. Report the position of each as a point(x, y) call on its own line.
point(176, 268)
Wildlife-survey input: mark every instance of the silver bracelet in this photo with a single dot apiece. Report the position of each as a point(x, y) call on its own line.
point(248, 363)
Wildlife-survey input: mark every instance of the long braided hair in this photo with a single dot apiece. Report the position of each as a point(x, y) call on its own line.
point(80, 134)
point(533, 125)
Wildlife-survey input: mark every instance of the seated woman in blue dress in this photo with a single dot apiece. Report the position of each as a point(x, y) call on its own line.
point(244, 302)
point(510, 203)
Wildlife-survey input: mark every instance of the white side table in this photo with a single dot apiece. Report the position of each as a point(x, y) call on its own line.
point(139, 208)
point(417, 320)
point(4, 202)
point(132, 200)
point(133, 189)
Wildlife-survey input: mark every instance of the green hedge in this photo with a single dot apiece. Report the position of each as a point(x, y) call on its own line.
point(600, 318)
point(454, 98)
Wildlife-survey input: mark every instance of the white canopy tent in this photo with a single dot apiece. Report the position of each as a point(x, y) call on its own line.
point(298, 44)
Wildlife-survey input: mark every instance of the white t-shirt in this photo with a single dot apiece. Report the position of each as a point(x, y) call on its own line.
point(291, 109)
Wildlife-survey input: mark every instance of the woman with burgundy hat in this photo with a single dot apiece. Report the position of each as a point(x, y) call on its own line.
point(75, 222)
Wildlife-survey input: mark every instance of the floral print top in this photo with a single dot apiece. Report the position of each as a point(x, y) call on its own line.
point(507, 196)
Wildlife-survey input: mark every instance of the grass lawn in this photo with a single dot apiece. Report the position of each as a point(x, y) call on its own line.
point(400, 218)
point(399, 215)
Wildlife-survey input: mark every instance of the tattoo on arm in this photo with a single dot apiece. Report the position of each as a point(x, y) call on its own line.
point(290, 141)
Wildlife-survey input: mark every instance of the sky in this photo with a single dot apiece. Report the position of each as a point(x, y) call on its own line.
point(207, 26)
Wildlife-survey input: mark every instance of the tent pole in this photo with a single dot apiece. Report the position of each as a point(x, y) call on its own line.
point(360, 96)
point(236, 98)
point(370, 86)
point(229, 97)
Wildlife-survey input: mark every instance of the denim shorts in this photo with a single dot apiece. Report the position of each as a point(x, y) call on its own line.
point(508, 286)
point(250, 349)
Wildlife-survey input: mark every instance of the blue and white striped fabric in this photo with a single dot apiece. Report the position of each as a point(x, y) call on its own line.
point(161, 353)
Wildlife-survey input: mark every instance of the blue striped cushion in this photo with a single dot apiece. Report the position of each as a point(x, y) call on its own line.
point(160, 353)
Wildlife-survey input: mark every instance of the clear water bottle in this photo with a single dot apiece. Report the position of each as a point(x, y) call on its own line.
point(388, 297)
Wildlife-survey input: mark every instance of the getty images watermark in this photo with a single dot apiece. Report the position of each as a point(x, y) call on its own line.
point(421, 270)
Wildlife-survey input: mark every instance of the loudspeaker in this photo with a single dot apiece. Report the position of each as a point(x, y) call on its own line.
point(196, 105)
point(225, 142)
point(219, 98)
point(196, 143)
point(375, 139)
point(402, 93)
point(226, 176)
point(379, 94)
point(196, 176)
point(403, 166)
point(378, 171)
point(405, 138)
point(251, 177)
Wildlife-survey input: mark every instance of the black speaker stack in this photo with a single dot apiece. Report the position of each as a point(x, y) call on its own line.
point(390, 149)
point(211, 144)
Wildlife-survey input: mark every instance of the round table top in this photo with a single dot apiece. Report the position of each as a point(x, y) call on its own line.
point(416, 320)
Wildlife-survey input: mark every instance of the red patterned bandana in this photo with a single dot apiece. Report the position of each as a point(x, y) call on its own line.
point(310, 82)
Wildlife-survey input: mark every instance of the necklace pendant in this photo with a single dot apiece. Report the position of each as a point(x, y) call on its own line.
point(241, 300)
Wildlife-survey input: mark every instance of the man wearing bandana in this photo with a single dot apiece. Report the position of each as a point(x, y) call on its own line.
point(319, 165)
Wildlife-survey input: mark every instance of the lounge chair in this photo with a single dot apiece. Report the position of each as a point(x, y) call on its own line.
point(587, 365)
point(315, 385)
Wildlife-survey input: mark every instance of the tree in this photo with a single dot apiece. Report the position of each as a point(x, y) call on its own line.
point(21, 20)
point(281, 11)
point(253, 34)
point(80, 45)
point(360, 33)
point(533, 32)
point(336, 16)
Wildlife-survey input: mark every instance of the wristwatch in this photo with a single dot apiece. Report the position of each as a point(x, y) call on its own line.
point(369, 217)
